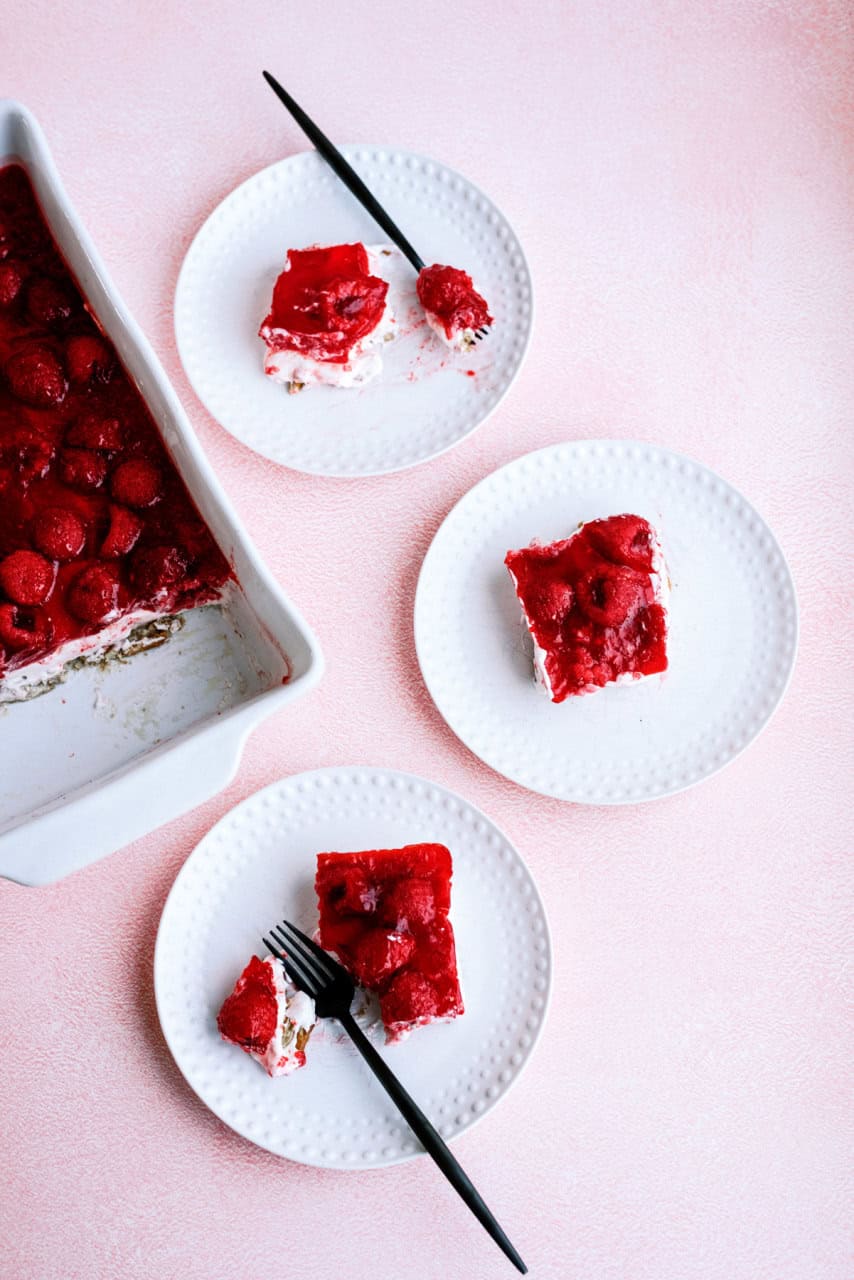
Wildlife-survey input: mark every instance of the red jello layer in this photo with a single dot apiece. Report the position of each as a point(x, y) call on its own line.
point(248, 1016)
point(324, 302)
point(449, 295)
point(384, 912)
point(592, 604)
point(87, 489)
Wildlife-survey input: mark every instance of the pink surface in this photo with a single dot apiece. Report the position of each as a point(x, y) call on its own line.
point(681, 176)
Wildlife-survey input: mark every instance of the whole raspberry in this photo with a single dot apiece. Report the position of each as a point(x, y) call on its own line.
point(94, 594)
point(26, 577)
point(410, 996)
point(155, 570)
point(210, 573)
point(82, 469)
point(553, 600)
point(94, 432)
point(59, 534)
point(122, 536)
point(48, 303)
point(438, 953)
point(623, 539)
point(409, 901)
point(26, 452)
point(379, 953)
point(88, 360)
point(193, 536)
point(23, 628)
point(580, 664)
point(11, 282)
point(352, 894)
point(137, 483)
point(36, 377)
point(610, 594)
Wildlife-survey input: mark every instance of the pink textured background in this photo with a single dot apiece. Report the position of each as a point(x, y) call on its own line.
point(689, 169)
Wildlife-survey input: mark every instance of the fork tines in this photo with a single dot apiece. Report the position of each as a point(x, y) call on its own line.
point(481, 333)
point(306, 973)
point(310, 966)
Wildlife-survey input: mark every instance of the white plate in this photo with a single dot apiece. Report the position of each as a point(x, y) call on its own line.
point(113, 754)
point(257, 866)
point(733, 626)
point(424, 401)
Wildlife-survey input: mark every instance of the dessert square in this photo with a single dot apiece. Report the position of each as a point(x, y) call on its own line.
point(595, 605)
point(329, 316)
point(384, 912)
point(268, 1017)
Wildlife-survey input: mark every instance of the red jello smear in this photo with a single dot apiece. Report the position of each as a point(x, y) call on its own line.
point(325, 302)
point(385, 914)
point(590, 604)
point(248, 1016)
point(94, 519)
point(450, 295)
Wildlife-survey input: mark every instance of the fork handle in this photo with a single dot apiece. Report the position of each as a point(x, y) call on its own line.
point(345, 172)
point(430, 1138)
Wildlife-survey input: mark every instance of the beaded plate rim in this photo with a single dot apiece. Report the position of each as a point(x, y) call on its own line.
point(458, 203)
point(482, 850)
point(451, 556)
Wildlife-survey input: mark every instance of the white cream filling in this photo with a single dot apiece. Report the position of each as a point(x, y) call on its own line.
point(661, 595)
point(460, 339)
point(364, 363)
point(17, 685)
point(25, 681)
point(294, 1013)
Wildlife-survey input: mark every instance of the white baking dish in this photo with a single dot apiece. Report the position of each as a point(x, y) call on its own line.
point(114, 752)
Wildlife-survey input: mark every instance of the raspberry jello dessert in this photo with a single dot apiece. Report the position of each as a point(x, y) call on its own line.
point(384, 912)
point(101, 546)
point(268, 1017)
point(595, 605)
point(453, 307)
point(329, 317)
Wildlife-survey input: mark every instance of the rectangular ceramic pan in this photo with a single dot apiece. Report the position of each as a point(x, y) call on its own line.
point(112, 753)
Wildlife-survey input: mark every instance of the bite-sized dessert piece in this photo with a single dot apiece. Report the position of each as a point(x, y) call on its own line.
point(384, 912)
point(595, 605)
point(268, 1017)
point(329, 316)
point(453, 307)
point(98, 535)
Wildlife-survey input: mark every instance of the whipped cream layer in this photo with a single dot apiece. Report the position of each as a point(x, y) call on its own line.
point(295, 1018)
point(459, 339)
point(35, 677)
point(131, 633)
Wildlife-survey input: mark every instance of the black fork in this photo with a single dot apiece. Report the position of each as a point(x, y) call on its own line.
point(332, 989)
point(351, 179)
